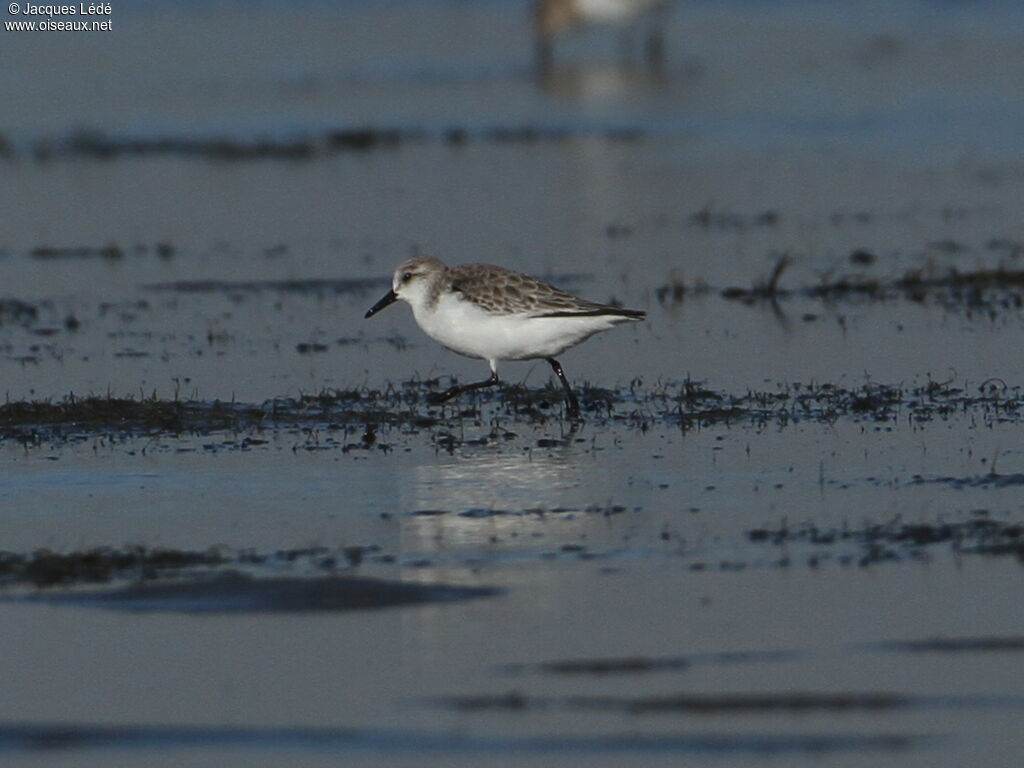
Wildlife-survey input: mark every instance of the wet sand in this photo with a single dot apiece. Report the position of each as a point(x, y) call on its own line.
point(789, 528)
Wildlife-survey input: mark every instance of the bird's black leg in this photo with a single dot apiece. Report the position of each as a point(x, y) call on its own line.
point(654, 47)
point(627, 43)
point(571, 403)
point(544, 56)
point(448, 394)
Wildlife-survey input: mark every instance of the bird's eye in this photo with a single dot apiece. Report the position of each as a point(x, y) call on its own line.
point(406, 277)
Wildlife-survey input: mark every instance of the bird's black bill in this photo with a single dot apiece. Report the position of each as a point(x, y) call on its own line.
point(388, 298)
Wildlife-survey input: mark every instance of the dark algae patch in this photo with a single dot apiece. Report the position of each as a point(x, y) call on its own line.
point(144, 580)
point(32, 738)
point(111, 251)
point(47, 568)
point(990, 644)
point(17, 312)
point(634, 665)
point(990, 480)
point(358, 139)
point(44, 568)
point(612, 666)
point(743, 703)
point(234, 592)
point(93, 413)
point(696, 704)
point(217, 580)
point(997, 288)
point(364, 418)
point(895, 540)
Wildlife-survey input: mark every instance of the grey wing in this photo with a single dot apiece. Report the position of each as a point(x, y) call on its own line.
point(504, 291)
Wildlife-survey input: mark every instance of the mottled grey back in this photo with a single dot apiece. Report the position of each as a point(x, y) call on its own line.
point(504, 291)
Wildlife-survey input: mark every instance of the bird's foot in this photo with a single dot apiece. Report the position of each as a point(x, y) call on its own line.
point(436, 398)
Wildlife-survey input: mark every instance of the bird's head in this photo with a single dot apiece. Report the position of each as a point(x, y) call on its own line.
point(411, 282)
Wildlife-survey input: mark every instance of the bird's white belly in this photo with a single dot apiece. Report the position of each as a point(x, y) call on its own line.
point(612, 11)
point(465, 328)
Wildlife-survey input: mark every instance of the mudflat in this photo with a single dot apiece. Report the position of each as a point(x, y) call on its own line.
point(787, 527)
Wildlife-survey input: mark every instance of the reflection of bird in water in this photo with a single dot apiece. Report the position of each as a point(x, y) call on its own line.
point(554, 19)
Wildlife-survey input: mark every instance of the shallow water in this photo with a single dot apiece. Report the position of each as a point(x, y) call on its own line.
point(697, 575)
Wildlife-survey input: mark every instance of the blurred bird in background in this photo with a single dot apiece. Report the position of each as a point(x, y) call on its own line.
point(555, 19)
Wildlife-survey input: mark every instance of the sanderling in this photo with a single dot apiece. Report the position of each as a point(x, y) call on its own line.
point(493, 313)
point(553, 19)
